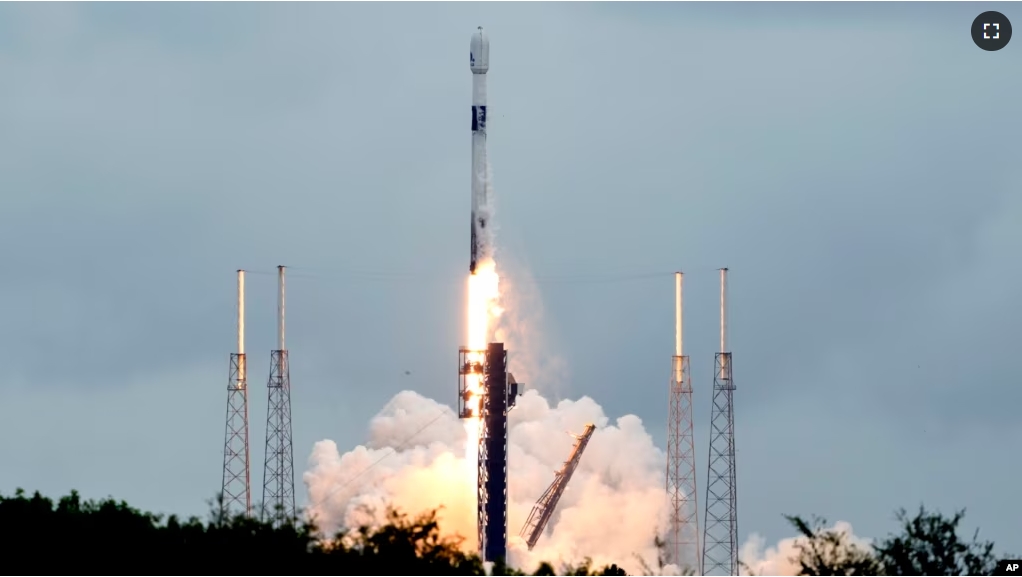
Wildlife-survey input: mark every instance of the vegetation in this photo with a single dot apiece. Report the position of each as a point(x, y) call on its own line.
point(927, 544)
point(76, 537)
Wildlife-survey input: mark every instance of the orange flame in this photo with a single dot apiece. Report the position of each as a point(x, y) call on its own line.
point(483, 310)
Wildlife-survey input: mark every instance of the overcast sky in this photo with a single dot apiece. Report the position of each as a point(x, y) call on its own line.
point(857, 168)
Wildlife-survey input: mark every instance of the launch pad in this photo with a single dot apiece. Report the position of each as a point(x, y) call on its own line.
point(487, 391)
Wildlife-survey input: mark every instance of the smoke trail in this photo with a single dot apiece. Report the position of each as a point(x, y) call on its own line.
point(610, 512)
point(516, 313)
point(531, 358)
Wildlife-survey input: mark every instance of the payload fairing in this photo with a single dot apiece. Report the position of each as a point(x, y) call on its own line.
point(479, 63)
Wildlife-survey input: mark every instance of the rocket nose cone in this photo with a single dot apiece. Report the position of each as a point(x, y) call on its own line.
point(479, 52)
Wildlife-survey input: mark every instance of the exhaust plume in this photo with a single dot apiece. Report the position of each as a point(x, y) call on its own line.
point(610, 512)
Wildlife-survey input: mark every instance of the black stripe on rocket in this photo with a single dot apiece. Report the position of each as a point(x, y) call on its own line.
point(479, 118)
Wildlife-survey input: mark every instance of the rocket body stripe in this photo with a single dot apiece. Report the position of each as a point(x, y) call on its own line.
point(479, 63)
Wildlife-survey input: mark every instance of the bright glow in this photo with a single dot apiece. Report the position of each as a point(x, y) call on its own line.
point(483, 293)
point(483, 310)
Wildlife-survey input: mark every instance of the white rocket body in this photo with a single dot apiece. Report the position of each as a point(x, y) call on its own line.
point(479, 63)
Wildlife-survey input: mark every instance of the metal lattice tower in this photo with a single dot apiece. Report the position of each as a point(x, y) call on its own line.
point(278, 471)
point(683, 521)
point(237, 488)
point(720, 542)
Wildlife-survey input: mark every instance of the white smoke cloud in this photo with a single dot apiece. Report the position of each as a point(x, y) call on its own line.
point(610, 512)
point(782, 559)
point(414, 459)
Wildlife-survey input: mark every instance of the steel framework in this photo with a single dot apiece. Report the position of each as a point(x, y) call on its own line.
point(544, 508)
point(683, 538)
point(236, 490)
point(720, 541)
point(278, 470)
point(683, 529)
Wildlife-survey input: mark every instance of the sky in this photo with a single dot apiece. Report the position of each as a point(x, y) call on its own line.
point(854, 165)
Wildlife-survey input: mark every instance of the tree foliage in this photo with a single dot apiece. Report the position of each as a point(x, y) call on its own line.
point(78, 536)
point(74, 536)
point(830, 552)
point(586, 568)
point(403, 545)
point(927, 544)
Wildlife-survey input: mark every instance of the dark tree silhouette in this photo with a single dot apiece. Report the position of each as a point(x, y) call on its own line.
point(79, 537)
point(829, 552)
point(401, 546)
point(586, 568)
point(109, 537)
point(928, 544)
point(545, 569)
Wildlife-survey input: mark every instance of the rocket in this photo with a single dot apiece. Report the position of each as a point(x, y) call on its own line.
point(479, 63)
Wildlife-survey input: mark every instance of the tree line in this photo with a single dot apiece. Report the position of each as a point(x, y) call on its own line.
point(76, 536)
point(926, 543)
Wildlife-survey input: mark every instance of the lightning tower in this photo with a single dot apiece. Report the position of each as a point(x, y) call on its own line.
point(720, 542)
point(683, 508)
point(237, 489)
point(278, 471)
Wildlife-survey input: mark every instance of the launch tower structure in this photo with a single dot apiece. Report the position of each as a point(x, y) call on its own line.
point(498, 391)
point(236, 492)
point(683, 508)
point(278, 470)
point(720, 541)
point(544, 508)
